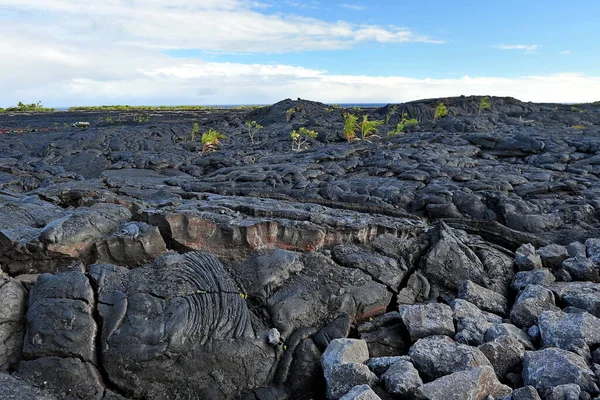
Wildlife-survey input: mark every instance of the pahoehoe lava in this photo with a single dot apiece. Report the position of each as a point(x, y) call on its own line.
point(457, 259)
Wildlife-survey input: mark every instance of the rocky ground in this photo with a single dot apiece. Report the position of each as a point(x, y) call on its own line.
point(458, 260)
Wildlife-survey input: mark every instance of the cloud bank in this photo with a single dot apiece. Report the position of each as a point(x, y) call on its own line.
point(73, 52)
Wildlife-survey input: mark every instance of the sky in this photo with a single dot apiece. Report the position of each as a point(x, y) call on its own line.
point(154, 52)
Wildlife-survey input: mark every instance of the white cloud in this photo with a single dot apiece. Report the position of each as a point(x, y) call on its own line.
point(214, 25)
point(565, 52)
point(527, 47)
point(354, 7)
point(135, 79)
point(70, 52)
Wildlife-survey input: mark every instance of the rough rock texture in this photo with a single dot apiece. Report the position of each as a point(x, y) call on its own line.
point(401, 378)
point(507, 329)
point(476, 384)
point(183, 306)
point(450, 261)
point(530, 303)
point(424, 320)
point(344, 366)
point(132, 245)
point(13, 300)
point(563, 392)
point(581, 269)
point(69, 378)
point(527, 259)
point(553, 255)
point(552, 367)
point(505, 353)
point(12, 388)
point(541, 277)
point(472, 323)
point(526, 393)
point(576, 332)
point(379, 365)
point(59, 318)
point(385, 335)
point(361, 392)
point(317, 244)
point(583, 295)
point(485, 299)
point(437, 356)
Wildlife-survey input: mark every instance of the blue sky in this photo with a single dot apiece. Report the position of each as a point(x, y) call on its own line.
point(65, 52)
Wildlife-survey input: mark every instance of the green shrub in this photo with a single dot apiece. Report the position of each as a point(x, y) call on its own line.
point(403, 124)
point(109, 120)
point(253, 127)
point(350, 126)
point(391, 112)
point(368, 128)
point(440, 112)
point(33, 107)
point(300, 137)
point(576, 109)
point(195, 131)
point(141, 119)
point(210, 139)
point(484, 104)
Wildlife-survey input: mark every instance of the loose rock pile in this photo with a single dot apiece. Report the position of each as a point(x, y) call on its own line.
point(460, 260)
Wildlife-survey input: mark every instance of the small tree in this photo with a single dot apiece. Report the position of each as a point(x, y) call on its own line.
point(484, 104)
point(368, 128)
point(440, 111)
point(300, 137)
point(350, 126)
point(56, 125)
point(392, 111)
point(253, 127)
point(195, 131)
point(210, 139)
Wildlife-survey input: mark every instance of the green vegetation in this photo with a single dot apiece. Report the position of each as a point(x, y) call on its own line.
point(195, 131)
point(368, 128)
point(210, 139)
point(289, 114)
point(350, 126)
point(33, 107)
point(157, 108)
point(300, 137)
point(56, 125)
point(576, 109)
point(440, 112)
point(141, 119)
point(484, 104)
point(65, 126)
point(391, 112)
point(253, 127)
point(403, 124)
point(109, 120)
